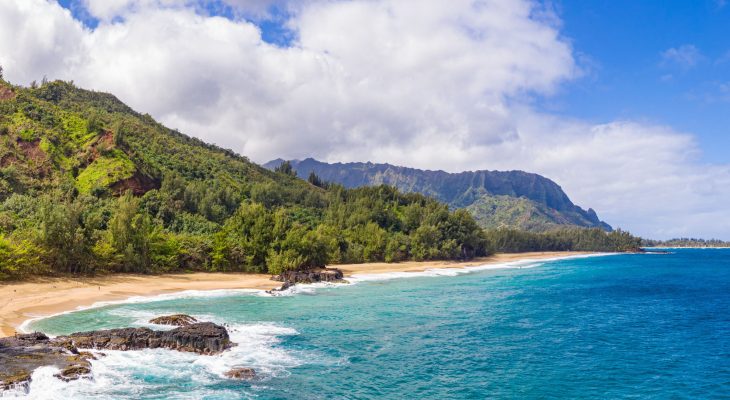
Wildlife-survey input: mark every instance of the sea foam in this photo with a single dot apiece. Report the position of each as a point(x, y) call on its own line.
point(130, 374)
point(436, 272)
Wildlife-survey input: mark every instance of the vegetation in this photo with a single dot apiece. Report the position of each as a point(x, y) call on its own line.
point(87, 185)
point(567, 239)
point(686, 242)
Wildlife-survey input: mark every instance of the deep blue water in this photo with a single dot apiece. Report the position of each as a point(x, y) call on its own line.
point(620, 326)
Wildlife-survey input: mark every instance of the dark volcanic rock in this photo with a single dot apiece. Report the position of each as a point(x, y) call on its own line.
point(14, 379)
point(291, 278)
point(201, 338)
point(241, 373)
point(20, 355)
point(176, 320)
point(310, 276)
point(73, 372)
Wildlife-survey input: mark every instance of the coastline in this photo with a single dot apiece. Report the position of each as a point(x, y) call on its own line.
point(22, 301)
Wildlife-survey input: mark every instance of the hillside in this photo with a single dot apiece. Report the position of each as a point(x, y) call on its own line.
point(88, 185)
point(513, 199)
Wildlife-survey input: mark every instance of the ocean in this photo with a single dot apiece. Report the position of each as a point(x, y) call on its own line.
point(630, 326)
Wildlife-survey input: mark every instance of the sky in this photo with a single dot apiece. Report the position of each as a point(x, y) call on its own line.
point(623, 103)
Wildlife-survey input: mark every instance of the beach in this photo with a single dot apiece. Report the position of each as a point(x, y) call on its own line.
point(20, 301)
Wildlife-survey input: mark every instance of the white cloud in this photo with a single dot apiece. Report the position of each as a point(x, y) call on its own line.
point(38, 38)
point(429, 84)
point(686, 56)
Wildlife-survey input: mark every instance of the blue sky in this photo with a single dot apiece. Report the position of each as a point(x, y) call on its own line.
point(629, 78)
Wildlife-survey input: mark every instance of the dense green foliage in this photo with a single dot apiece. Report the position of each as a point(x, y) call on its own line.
point(573, 239)
point(496, 199)
point(87, 185)
point(686, 242)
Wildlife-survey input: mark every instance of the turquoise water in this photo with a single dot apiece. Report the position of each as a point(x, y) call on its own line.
point(620, 326)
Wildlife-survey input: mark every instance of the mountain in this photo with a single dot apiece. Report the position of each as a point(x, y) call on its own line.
point(514, 199)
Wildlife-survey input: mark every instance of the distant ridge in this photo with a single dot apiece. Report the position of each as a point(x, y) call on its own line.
point(515, 199)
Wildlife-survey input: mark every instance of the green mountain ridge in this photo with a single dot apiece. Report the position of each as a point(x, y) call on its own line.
point(496, 199)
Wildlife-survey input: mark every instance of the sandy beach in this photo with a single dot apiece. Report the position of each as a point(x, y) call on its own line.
point(46, 296)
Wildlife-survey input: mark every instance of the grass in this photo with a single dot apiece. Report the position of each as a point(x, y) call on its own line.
point(104, 171)
point(77, 129)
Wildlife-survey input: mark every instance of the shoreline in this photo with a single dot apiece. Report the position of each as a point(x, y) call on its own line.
point(43, 297)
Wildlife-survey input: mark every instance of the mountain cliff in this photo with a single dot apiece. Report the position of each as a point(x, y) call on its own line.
point(514, 199)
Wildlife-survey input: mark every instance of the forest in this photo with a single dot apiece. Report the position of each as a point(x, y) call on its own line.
point(686, 242)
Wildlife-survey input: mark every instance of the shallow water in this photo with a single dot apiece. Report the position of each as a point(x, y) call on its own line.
point(622, 326)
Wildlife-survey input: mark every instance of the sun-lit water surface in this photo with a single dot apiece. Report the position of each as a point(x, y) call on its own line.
point(622, 326)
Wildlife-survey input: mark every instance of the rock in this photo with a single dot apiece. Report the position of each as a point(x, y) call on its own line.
point(73, 373)
point(309, 276)
point(19, 380)
point(241, 373)
point(86, 355)
point(201, 338)
point(20, 355)
point(284, 286)
point(28, 339)
point(176, 320)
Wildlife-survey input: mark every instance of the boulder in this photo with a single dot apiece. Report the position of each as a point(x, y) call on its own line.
point(241, 373)
point(291, 278)
point(20, 355)
point(176, 320)
point(15, 380)
point(73, 373)
point(201, 338)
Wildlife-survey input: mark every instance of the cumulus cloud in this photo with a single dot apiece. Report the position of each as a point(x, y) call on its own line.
point(38, 38)
point(443, 85)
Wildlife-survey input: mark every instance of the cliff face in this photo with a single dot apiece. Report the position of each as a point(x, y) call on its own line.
point(496, 198)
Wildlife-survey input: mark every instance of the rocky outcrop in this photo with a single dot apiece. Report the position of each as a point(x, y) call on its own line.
point(138, 184)
point(291, 278)
point(241, 373)
point(20, 355)
point(175, 320)
point(310, 276)
point(74, 372)
point(201, 338)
